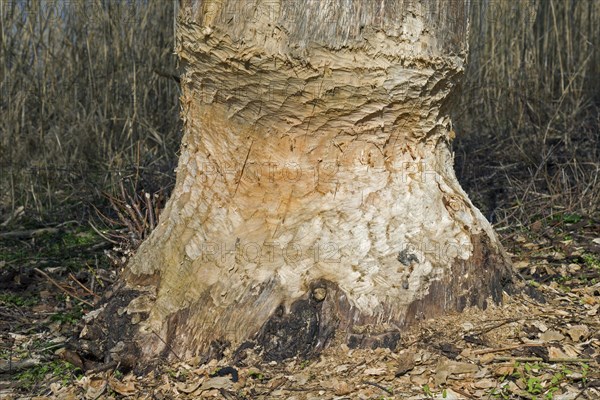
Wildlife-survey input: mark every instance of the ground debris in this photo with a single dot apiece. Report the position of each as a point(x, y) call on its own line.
point(541, 343)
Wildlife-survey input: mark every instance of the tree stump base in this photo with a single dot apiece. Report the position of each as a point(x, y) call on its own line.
point(315, 190)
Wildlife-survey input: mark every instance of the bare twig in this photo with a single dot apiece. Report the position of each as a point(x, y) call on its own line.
point(28, 234)
point(101, 234)
point(377, 385)
point(83, 286)
point(39, 271)
point(507, 348)
point(565, 360)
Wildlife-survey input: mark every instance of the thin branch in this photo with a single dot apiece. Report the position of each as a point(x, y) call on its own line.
point(501, 349)
point(557, 360)
point(102, 235)
point(377, 385)
point(83, 286)
point(39, 271)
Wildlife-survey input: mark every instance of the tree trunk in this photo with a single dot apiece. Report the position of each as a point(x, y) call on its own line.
point(315, 189)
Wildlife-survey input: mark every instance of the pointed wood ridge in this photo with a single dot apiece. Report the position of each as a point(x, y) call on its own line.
point(315, 190)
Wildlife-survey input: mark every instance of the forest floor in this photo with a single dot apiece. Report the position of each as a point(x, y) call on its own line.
point(542, 343)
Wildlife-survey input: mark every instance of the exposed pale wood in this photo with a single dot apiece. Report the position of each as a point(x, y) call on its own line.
point(315, 187)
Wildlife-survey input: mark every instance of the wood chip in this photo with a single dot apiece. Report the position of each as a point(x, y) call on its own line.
point(578, 332)
point(551, 336)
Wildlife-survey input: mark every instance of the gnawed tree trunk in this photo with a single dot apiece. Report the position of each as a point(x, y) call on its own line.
point(315, 190)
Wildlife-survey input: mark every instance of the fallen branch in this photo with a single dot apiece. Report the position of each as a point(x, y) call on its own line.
point(39, 271)
point(100, 233)
point(507, 348)
point(28, 234)
point(377, 385)
point(550, 360)
point(83, 286)
point(15, 366)
point(505, 321)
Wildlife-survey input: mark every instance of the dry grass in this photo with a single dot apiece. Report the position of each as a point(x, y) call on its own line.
point(530, 142)
point(85, 100)
point(88, 99)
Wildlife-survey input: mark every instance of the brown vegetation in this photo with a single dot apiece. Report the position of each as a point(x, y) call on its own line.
point(87, 98)
point(528, 142)
point(90, 98)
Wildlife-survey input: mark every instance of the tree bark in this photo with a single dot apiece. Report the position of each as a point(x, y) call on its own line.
point(315, 190)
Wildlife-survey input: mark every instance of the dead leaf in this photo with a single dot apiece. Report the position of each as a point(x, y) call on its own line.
point(551, 336)
point(540, 326)
point(485, 384)
point(570, 351)
point(126, 388)
point(536, 226)
point(375, 371)
point(187, 387)
point(592, 302)
point(571, 394)
point(504, 370)
point(520, 239)
point(419, 380)
point(94, 387)
point(578, 332)
point(341, 388)
point(70, 357)
point(450, 394)
point(573, 268)
point(487, 358)
point(450, 350)
point(301, 378)
point(214, 393)
point(341, 368)
point(406, 362)
point(555, 352)
point(418, 370)
point(219, 382)
point(446, 368)
point(276, 382)
point(42, 308)
point(467, 326)
point(521, 264)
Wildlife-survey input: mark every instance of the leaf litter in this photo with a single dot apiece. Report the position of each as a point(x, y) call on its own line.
point(541, 343)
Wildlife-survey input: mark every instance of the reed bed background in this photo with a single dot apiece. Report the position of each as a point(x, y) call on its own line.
point(528, 126)
point(89, 98)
